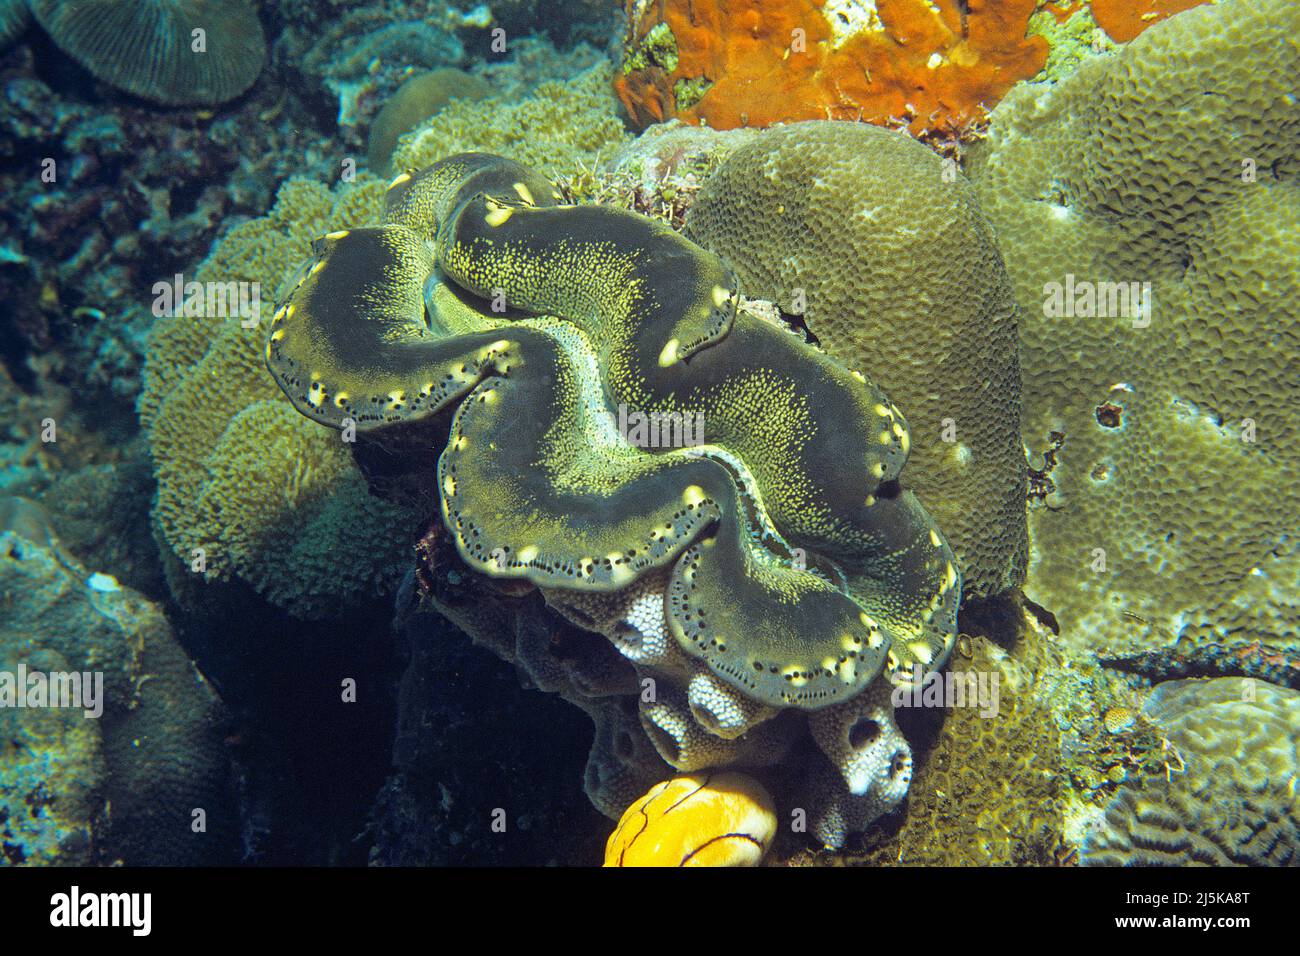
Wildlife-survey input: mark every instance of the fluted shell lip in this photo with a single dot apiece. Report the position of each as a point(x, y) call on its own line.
point(146, 47)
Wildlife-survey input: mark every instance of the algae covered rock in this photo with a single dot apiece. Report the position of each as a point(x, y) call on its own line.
point(132, 767)
point(1149, 212)
point(1227, 795)
point(881, 247)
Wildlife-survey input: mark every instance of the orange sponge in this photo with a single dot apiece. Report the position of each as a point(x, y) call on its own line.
point(730, 63)
point(1124, 19)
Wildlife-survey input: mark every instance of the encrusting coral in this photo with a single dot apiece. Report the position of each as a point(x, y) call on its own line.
point(684, 557)
point(880, 247)
point(1227, 795)
point(558, 129)
point(1153, 249)
point(931, 65)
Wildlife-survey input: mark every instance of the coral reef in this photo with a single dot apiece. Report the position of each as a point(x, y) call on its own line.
point(1152, 247)
point(1227, 793)
point(180, 68)
point(880, 247)
point(246, 488)
point(305, 537)
point(14, 18)
point(557, 128)
point(929, 65)
point(123, 787)
point(705, 819)
point(351, 348)
point(988, 785)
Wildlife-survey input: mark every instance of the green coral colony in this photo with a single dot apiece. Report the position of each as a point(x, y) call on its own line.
point(800, 566)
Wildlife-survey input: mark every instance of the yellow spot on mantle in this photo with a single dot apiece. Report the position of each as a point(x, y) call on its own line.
point(340, 234)
point(497, 214)
point(693, 495)
point(527, 554)
point(522, 192)
point(669, 355)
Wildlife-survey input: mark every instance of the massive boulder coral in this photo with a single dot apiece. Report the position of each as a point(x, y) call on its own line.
point(933, 65)
point(1228, 792)
point(883, 251)
point(775, 563)
point(1149, 212)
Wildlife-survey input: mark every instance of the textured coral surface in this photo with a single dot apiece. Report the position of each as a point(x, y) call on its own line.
point(1228, 794)
point(1171, 512)
point(881, 247)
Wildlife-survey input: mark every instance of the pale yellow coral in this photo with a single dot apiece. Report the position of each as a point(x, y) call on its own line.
point(559, 128)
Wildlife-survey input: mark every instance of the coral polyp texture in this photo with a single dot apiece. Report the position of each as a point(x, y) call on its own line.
point(776, 563)
point(1153, 248)
point(706, 819)
point(932, 65)
point(1228, 794)
point(880, 246)
point(174, 52)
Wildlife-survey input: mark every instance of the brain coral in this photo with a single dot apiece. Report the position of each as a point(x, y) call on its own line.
point(775, 563)
point(147, 47)
point(292, 516)
point(883, 250)
point(1229, 794)
point(934, 64)
point(1153, 248)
